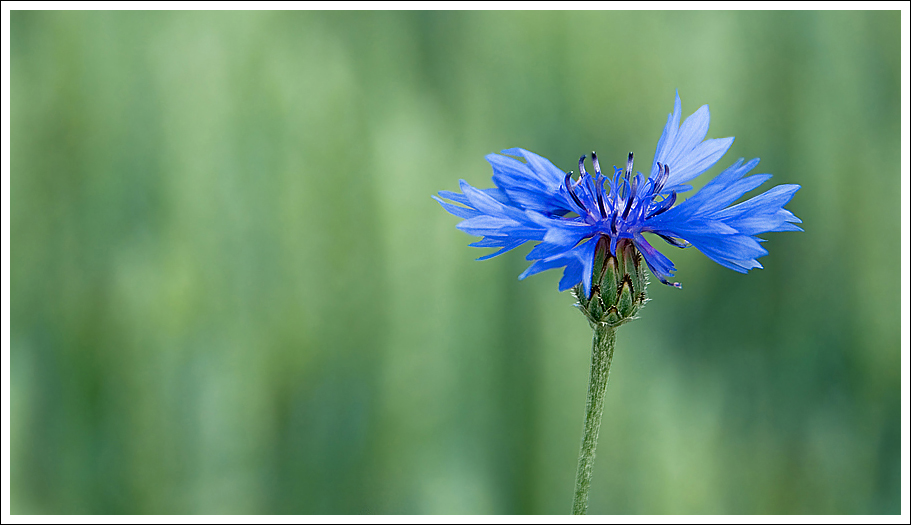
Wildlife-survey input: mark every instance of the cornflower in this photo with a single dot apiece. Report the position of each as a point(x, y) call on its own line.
point(592, 226)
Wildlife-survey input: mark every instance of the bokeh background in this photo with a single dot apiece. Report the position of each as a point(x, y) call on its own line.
point(232, 292)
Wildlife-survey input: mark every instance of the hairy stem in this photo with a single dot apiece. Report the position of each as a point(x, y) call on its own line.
point(602, 353)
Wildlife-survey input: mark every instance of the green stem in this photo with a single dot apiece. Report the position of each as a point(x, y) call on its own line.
point(602, 353)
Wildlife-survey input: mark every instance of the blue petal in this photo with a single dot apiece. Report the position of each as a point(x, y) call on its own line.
point(518, 181)
point(572, 275)
point(699, 225)
point(578, 261)
point(456, 197)
point(555, 242)
point(668, 135)
point(684, 148)
point(724, 189)
point(660, 265)
point(496, 226)
point(544, 168)
point(542, 265)
point(458, 211)
point(487, 224)
point(484, 203)
point(491, 241)
point(774, 198)
point(677, 188)
point(514, 244)
point(462, 199)
point(734, 247)
point(534, 185)
point(738, 266)
point(698, 160)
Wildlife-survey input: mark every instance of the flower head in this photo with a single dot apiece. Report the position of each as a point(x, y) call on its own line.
point(570, 217)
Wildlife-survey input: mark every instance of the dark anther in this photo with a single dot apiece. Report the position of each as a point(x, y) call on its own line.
point(629, 165)
point(595, 164)
point(582, 166)
point(569, 187)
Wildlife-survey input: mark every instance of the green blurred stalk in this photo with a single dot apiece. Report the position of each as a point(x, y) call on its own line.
point(603, 341)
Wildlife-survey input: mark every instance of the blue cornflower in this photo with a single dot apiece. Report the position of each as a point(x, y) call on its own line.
point(538, 202)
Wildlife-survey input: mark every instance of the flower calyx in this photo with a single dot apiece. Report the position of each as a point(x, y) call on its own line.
point(618, 288)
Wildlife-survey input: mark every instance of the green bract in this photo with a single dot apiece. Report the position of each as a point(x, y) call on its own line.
point(618, 286)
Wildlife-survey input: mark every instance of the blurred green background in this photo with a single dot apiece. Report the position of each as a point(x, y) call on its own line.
point(232, 292)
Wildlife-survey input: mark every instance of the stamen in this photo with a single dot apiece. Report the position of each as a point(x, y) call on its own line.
point(674, 242)
point(598, 185)
point(664, 205)
point(649, 188)
point(572, 193)
point(582, 166)
point(665, 281)
point(629, 165)
point(595, 164)
point(663, 173)
point(633, 186)
point(629, 202)
point(616, 186)
point(599, 189)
